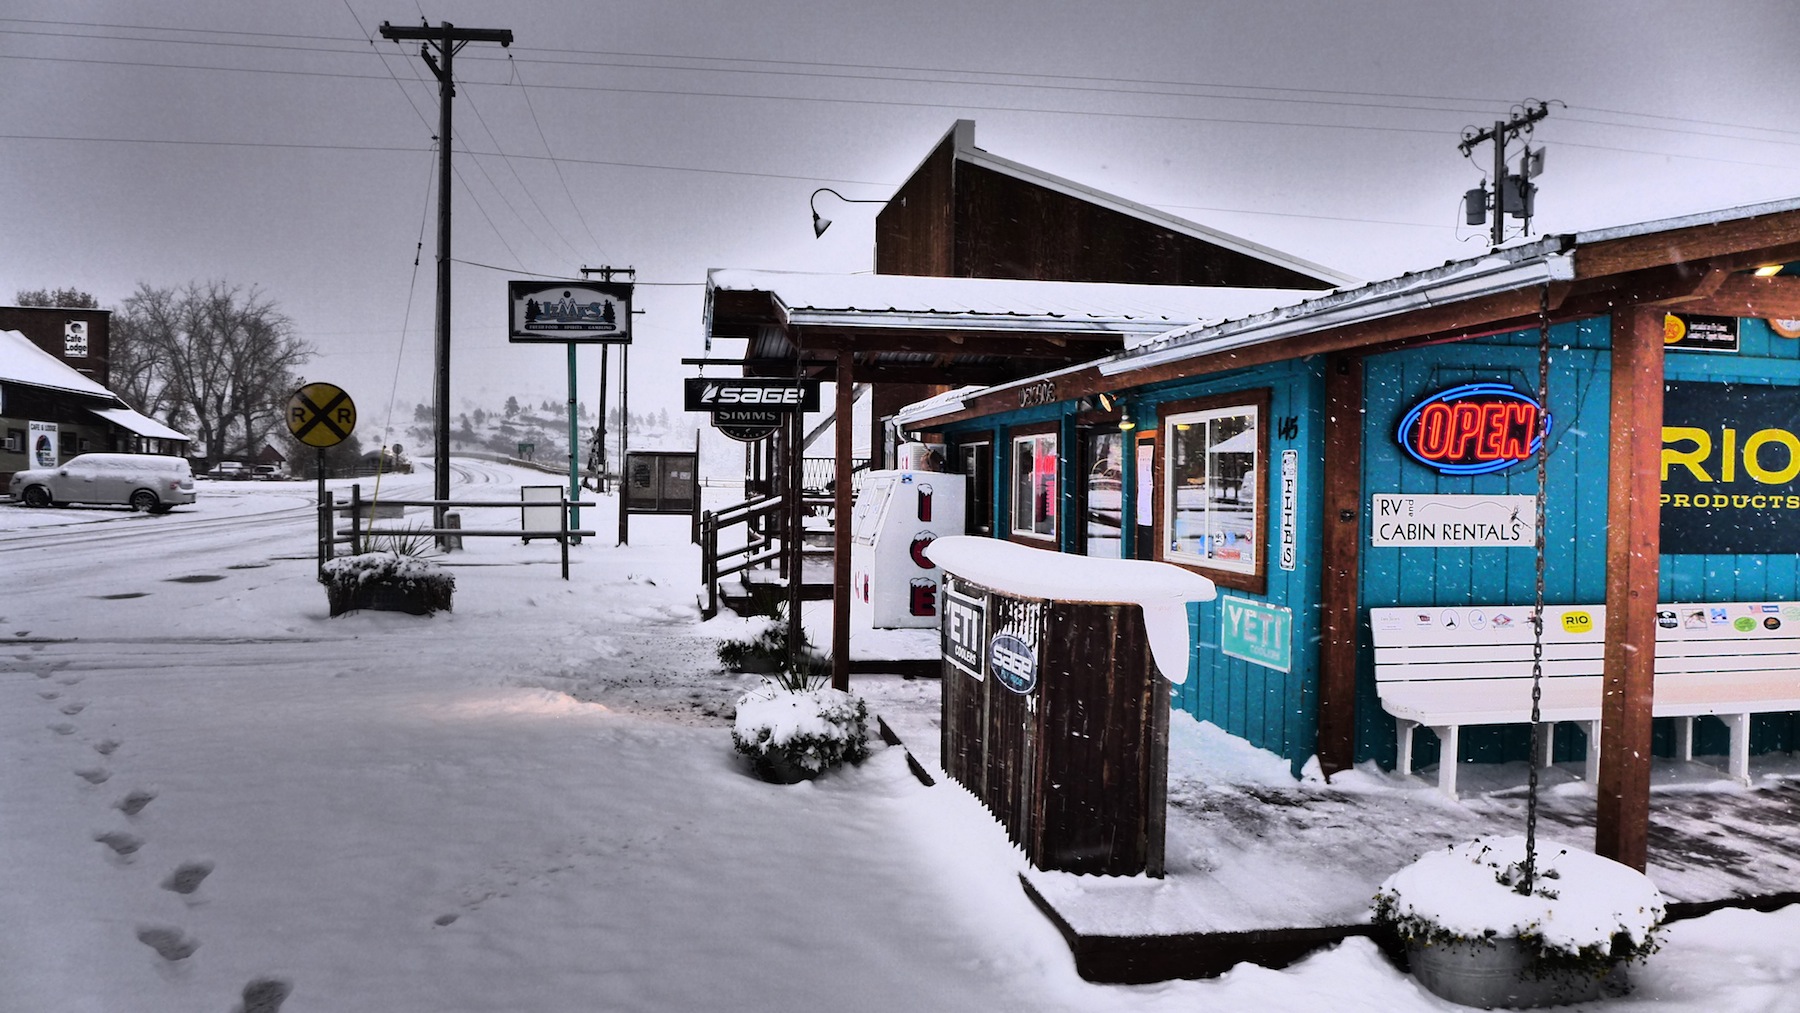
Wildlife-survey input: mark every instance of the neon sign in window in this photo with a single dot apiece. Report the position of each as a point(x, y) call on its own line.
point(1474, 429)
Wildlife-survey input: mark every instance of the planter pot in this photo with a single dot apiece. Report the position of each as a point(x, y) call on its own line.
point(379, 597)
point(775, 768)
point(1501, 974)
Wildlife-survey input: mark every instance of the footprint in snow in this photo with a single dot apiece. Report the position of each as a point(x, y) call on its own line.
point(62, 728)
point(187, 877)
point(49, 694)
point(121, 843)
point(69, 680)
point(442, 920)
point(169, 943)
point(94, 775)
point(135, 801)
point(105, 747)
point(74, 708)
point(265, 995)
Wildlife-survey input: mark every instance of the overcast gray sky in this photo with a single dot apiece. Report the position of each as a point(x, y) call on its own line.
point(271, 144)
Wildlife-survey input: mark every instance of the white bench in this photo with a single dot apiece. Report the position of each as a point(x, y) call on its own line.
point(1445, 668)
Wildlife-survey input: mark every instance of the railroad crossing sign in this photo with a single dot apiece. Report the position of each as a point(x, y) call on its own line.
point(321, 415)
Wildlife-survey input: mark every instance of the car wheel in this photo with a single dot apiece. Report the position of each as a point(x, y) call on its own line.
point(37, 496)
point(143, 500)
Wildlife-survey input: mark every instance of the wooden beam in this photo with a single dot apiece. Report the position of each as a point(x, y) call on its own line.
point(1340, 523)
point(1771, 238)
point(1622, 819)
point(1037, 345)
point(1745, 295)
point(840, 527)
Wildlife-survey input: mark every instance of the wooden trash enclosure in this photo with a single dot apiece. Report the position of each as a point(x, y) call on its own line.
point(1060, 726)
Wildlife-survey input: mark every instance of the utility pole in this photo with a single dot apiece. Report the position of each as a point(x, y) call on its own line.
point(1513, 194)
point(446, 39)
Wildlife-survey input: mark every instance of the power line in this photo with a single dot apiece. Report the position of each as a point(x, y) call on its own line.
point(1105, 84)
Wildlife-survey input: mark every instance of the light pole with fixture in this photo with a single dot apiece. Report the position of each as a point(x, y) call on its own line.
point(820, 224)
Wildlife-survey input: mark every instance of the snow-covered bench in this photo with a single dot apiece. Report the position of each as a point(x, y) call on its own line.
point(1445, 668)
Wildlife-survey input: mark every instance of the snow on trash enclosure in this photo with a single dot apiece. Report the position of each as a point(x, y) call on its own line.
point(1161, 590)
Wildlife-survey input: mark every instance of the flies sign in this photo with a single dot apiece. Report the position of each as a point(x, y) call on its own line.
point(770, 394)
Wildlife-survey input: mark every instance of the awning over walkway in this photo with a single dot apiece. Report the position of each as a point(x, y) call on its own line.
point(979, 328)
point(139, 423)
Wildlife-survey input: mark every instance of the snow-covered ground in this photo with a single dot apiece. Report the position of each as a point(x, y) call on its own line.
point(529, 804)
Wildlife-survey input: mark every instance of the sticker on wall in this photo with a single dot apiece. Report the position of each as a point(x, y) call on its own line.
point(1694, 333)
point(1785, 328)
point(1578, 621)
point(965, 631)
point(1474, 429)
point(1013, 662)
point(1260, 633)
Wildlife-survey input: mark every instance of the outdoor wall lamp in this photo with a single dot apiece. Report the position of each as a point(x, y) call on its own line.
point(820, 224)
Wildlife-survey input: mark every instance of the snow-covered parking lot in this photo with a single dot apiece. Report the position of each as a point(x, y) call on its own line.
point(529, 804)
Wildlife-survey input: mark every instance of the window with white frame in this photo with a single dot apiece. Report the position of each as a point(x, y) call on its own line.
point(1211, 464)
point(1034, 485)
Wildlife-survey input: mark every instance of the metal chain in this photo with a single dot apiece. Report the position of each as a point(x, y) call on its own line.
point(1537, 620)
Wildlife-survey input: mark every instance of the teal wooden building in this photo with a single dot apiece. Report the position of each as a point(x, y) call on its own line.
point(1368, 447)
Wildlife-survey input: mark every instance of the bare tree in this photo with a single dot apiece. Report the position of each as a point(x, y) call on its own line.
point(211, 357)
point(59, 298)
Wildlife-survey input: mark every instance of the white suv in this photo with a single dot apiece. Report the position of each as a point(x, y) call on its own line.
point(152, 482)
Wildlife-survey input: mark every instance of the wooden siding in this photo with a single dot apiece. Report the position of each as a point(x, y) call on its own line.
point(1274, 710)
point(1006, 227)
point(914, 233)
point(1075, 768)
point(1576, 512)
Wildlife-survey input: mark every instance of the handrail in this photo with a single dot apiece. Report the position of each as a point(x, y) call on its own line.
point(760, 546)
point(329, 538)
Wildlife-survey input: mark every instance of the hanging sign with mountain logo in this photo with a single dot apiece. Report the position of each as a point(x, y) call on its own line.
point(569, 312)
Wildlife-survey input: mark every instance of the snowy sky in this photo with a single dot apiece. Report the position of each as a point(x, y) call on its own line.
point(271, 144)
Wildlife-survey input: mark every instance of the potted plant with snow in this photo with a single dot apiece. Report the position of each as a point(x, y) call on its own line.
point(794, 727)
point(396, 577)
point(1492, 922)
point(762, 652)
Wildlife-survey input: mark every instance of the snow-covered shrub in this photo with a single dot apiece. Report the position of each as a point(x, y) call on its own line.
point(765, 650)
point(790, 735)
point(351, 582)
point(1582, 913)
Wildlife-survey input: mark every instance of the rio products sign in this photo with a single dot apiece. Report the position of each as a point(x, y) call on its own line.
point(1730, 468)
point(1474, 429)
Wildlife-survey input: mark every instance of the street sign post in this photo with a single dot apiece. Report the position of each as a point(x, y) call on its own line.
point(321, 415)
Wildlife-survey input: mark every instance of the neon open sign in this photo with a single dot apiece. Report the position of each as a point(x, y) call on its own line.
point(1474, 429)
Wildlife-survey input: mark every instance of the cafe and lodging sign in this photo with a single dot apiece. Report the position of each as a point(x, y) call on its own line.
point(1378, 446)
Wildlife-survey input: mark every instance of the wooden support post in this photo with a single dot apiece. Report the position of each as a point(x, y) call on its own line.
point(1341, 526)
point(796, 537)
point(1622, 821)
point(840, 527)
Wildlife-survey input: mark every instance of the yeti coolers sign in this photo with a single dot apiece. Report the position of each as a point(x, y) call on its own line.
point(772, 394)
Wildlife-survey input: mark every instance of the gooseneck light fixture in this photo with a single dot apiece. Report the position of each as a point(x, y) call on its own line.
point(820, 224)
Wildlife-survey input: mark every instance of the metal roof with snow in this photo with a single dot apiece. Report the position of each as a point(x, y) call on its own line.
point(1701, 261)
point(22, 361)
